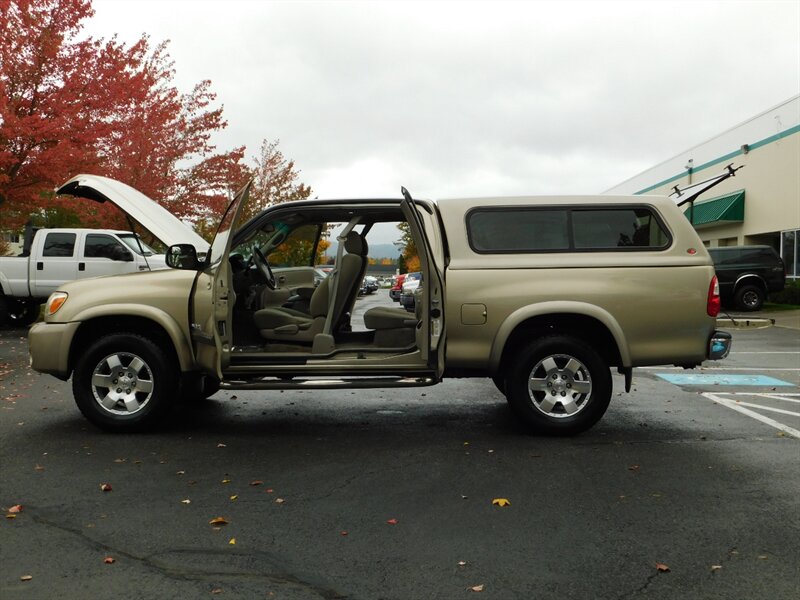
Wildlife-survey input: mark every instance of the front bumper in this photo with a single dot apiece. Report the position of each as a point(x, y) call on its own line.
point(719, 346)
point(48, 346)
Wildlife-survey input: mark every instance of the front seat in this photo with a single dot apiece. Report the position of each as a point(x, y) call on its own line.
point(285, 324)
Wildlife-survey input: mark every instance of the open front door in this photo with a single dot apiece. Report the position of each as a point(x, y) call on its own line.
point(213, 298)
point(433, 278)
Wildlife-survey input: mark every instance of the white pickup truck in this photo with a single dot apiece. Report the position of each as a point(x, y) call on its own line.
point(60, 255)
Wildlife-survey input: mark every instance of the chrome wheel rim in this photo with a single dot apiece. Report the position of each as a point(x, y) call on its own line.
point(559, 386)
point(122, 384)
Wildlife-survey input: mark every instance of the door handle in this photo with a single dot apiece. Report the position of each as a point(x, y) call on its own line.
point(40, 266)
point(81, 266)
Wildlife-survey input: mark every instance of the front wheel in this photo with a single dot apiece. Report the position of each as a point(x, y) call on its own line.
point(559, 385)
point(125, 382)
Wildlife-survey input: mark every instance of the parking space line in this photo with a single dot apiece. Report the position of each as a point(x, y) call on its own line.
point(781, 397)
point(723, 368)
point(768, 408)
point(750, 413)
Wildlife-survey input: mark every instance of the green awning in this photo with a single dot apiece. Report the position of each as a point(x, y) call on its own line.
point(724, 209)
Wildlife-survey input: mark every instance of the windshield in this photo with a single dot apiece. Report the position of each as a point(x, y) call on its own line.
point(130, 240)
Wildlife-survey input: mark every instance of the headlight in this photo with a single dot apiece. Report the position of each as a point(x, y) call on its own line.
point(54, 302)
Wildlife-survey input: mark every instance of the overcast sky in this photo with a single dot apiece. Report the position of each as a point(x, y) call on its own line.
point(472, 98)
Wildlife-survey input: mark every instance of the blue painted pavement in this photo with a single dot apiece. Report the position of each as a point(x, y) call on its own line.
point(708, 379)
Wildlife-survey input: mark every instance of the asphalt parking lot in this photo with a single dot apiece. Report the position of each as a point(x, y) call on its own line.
point(688, 488)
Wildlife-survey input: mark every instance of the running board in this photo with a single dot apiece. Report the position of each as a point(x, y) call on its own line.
point(326, 383)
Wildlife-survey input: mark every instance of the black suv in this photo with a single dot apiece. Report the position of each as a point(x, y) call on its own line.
point(747, 274)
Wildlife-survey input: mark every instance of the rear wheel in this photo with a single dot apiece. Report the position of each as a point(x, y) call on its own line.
point(125, 382)
point(749, 298)
point(559, 385)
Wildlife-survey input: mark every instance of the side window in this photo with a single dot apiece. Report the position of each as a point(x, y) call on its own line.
point(59, 244)
point(297, 249)
point(510, 230)
point(617, 228)
point(102, 246)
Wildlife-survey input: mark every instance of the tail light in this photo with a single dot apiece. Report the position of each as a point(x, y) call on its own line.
point(714, 303)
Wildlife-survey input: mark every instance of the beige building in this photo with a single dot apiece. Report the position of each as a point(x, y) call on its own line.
point(761, 204)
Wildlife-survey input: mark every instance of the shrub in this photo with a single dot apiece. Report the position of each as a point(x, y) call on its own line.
point(789, 295)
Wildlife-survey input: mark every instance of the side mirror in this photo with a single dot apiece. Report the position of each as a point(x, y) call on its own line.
point(182, 256)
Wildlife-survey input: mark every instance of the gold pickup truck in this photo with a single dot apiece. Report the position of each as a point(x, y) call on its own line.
point(542, 294)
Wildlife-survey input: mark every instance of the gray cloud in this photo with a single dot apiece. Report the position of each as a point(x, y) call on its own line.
point(456, 98)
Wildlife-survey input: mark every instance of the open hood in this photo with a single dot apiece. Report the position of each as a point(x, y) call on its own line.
point(151, 215)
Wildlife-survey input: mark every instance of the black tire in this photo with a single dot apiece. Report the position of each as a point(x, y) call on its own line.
point(571, 389)
point(3, 310)
point(500, 383)
point(749, 298)
point(21, 313)
point(147, 377)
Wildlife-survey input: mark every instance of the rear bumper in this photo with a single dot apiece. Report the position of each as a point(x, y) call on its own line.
point(719, 346)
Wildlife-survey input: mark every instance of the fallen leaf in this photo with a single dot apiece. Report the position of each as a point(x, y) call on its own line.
point(716, 567)
point(26, 578)
point(218, 521)
point(256, 482)
point(11, 516)
point(120, 460)
point(633, 468)
point(17, 508)
point(343, 533)
point(501, 502)
point(662, 568)
point(269, 490)
point(221, 446)
point(38, 468)
point(106, 487)
point(216, 591)
point(392, 522)
point(279, 500)
point(763, 557)
point(224, 481)
point(232, 542)
point(186, 501)
point(109, 560)
point(476, 588)
point(234, 497)
point(462, 563)
point(180, 472)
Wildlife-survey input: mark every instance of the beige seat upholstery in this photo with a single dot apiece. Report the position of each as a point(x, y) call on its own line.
point(277, 323)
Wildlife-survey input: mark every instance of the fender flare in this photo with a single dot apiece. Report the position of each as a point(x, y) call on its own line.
point(181, 344)
point(561, 308)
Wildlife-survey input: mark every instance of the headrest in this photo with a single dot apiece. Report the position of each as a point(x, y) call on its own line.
point(355, 244)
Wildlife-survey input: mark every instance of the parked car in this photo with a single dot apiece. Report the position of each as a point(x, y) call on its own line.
point(369, 285)
point(397, 288)
point(747, 274)
point(542, 294)
point(410, 286)
point(56, 256)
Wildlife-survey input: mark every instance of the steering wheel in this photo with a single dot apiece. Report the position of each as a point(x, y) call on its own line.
point(264, 269)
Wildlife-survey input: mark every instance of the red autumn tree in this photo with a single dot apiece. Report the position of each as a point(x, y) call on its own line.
point(71, 105)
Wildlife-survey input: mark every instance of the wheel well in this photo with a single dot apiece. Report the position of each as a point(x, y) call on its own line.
point(750, 280)
point(582, 327)
point(91, 330)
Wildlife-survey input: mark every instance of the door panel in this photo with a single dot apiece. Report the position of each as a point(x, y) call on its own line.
point(214, 298)
point(433, 282)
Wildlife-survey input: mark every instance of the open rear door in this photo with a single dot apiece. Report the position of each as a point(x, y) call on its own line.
point(213, 298)
point(433, 279)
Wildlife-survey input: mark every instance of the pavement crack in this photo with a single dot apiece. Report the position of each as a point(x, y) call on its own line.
point(155, 561)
